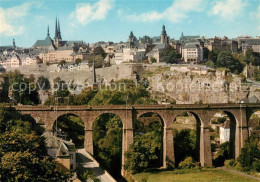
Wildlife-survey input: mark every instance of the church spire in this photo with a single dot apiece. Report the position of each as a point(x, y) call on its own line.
point(56, 29)
point(164, 37)
point(163, 30)
point(14, 43)
point(59, 33)
point(48, 31)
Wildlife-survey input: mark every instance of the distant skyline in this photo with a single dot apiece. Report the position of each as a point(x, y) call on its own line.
point(112, 20)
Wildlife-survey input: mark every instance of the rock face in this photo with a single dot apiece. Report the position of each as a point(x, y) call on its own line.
point(186, 88)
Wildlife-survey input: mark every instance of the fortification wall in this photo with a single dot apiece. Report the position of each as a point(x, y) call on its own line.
point(104, 75)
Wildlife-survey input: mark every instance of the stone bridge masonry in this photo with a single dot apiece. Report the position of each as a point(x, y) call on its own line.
point(239, 114)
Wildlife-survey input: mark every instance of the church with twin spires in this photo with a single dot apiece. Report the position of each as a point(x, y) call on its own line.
point(56, 49)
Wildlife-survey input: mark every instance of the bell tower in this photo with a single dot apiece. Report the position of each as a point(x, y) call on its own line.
point(164, 36)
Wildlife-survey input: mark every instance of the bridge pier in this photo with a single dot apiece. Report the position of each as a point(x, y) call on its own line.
point(242, 135)
point(128, 139)
point(205, 147)
point(168, 148)
point(89, 141)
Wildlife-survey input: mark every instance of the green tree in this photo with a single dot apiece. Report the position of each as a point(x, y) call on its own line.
point(222, 154)
point(85, 96)
point(240, 57)
point(188, 163)
point(153, 60)
point(43, 83)
point(62, 63)
point(99, 51)
point(22, 91)
point(257, 74)
point(250, 155)
point(225, 59)
point(210, 64)
point(22, 153)
point(107, 141)
point(31, 78)
point(98, 59)
point(249, 57)
point(213, 55)
point(169, 55)
point(78, 60)
point(125, 89)
point(185, 145)
point(73, 127)
point(144, 153)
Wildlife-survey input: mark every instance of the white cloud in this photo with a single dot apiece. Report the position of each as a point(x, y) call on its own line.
point(228, 9)
point(86, 12)
point(11, 19)
point(175, 13)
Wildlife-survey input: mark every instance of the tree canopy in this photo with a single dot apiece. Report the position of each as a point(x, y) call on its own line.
point(22, 90)
point(225, 59)
point(169, 55)
point(23, 153)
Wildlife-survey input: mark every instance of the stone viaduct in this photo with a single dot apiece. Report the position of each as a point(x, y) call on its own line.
point(239, 115)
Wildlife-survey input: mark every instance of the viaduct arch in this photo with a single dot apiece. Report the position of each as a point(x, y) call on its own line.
point(46, 115)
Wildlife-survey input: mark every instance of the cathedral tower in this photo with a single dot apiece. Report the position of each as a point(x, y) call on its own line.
point(164, 37)
point(57, 37)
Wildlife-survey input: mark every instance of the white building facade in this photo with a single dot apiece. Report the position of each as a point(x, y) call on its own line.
point(192, 53)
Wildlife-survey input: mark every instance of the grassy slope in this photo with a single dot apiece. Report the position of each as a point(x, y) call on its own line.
point(192, 175)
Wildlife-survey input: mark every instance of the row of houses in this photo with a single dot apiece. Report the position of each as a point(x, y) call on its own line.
point(15, 60)
point(191, 49)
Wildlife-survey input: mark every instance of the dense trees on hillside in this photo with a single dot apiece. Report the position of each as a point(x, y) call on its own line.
point(233, 61)
point(118, 93)
point(145, 152)
point(23, 153)
point(107, 139)
point(250, 155)
point(225, 59)
point(218, 59)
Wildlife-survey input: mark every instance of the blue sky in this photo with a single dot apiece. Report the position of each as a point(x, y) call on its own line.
point(112, 20)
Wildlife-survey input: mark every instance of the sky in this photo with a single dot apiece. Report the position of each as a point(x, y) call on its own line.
point(112, 20)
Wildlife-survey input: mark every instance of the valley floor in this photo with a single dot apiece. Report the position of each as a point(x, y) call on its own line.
point(202, 175)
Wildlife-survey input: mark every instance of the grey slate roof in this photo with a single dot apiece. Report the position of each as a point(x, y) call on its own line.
point(251, 41)
point(185, 38)
point(191, 45)
point(44, 43)
point(159, 46)
point(64, 48)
